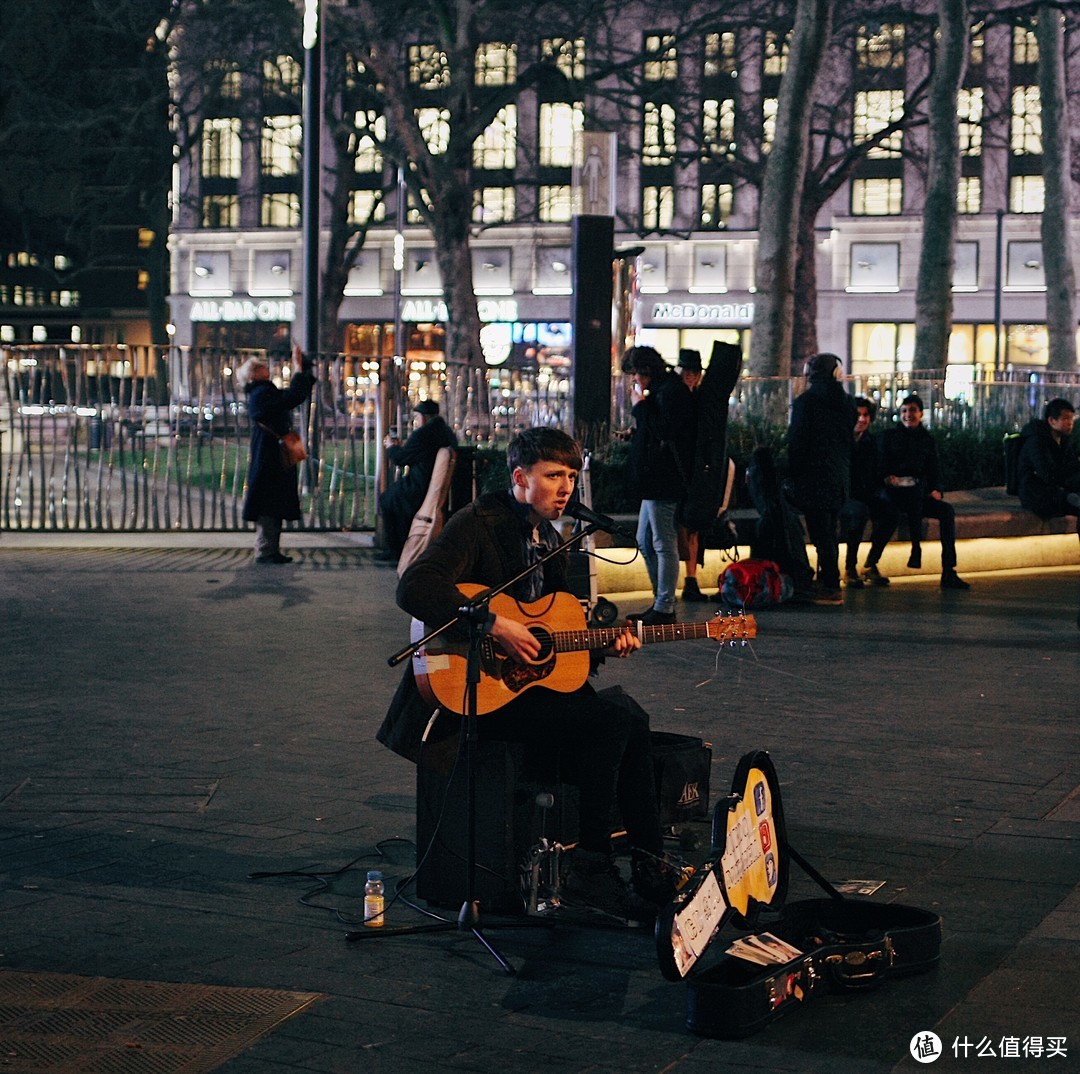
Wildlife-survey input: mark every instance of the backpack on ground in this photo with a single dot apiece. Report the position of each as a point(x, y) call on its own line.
point(754, 583)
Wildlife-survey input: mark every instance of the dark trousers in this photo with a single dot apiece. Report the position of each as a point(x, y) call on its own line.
point(822, 526)
point(883, 517)
point(915, 506)
point(607, 741)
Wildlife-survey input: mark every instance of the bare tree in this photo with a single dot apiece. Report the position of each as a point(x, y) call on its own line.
point(770, 347)
point(933, 293)
point(1057, 175)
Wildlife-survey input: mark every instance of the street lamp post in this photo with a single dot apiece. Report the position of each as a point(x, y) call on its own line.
point(312, 121)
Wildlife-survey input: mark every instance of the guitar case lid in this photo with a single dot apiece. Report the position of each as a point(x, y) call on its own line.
point(844, 944)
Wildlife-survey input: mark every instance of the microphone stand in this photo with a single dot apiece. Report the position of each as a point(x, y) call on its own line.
point(476, 615)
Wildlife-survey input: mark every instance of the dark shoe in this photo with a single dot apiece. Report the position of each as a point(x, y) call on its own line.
point(952, 580)
point(852, 580)
point(826, 595)
point(915, 559)
point(593, 880)
point(874, 576)
point(652, 618)
point(277, 557)
point(691, 591)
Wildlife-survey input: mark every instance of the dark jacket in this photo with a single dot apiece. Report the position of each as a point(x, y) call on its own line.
point(866, 475)
point(911, 453)
point(271, 486)
point(1046, 470)
point(405, 495)
point(820, 439)
point(485, 543)
point(662, 446)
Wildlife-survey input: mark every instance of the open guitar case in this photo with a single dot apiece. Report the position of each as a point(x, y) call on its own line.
point(846, 944)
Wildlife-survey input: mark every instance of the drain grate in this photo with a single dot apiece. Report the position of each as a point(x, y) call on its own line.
point(52, 1023)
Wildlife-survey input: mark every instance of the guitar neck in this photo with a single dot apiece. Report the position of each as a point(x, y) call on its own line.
point(568, 641)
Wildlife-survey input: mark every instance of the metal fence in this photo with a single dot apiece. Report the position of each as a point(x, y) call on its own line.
point(130, 438)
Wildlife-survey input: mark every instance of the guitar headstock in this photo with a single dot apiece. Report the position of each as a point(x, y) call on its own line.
point(733, 626)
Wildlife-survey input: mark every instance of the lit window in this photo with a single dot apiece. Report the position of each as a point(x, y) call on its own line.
point(1027, 344)
point(658, 135)
point(366, 207)
point(874, 111)
point(1027, 194)
point(220, 210)
point(281, 145)
point(720, 54)
point(496, 64)
point(662, 65)
point(969, 111)
point(494, 205)
point(221, 148)
point(555, 204)
point(559, 123)
point(226, 77)
point(969, 194)
point(1025, 135)
point(280, 210)
point(1025, 45)
point(657, 207)
point(769, 108)
point(428, 67)
point(717, 126)
point(7, 333)
point(876, 197)
point(371, 133)
point(776, 51)
point(716, 204)
point(568, 55)
point(977, 50)
point(497, 146)
point(880, 47)
point(283, 76)
point(435, 128)
point(413, 212)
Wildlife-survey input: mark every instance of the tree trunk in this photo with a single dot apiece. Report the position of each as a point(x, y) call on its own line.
point(804, 329)
point(933, 292)
point(1057, 247)
point(782, 187)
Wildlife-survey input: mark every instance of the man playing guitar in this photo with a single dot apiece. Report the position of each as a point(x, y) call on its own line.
point(607, 742)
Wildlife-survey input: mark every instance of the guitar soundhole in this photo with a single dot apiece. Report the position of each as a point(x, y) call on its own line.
point(547, 646)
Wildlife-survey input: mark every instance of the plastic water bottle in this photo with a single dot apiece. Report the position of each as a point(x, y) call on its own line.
point(374, 900)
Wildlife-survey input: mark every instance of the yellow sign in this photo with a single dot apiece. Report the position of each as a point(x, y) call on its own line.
point(749, 865)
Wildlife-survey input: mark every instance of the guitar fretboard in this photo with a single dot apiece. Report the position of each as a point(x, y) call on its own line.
point(566, 641)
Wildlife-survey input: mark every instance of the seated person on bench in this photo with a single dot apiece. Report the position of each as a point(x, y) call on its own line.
point(487, 543)
point(1048, 469)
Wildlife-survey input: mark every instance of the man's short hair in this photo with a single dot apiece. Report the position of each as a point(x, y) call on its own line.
point(543, 444)
point(912, 400)
point(1056, 407)
point(862, 401)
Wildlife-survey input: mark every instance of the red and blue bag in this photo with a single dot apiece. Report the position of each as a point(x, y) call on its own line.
point(754, 583)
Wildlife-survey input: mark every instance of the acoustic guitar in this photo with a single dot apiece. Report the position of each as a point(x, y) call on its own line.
point(557, 621)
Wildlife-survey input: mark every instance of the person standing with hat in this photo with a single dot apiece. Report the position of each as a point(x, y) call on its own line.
point(401, 500)
point(272, 495)
point(690, 550)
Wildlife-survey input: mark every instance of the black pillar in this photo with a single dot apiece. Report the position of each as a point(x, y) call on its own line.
point(594, 240)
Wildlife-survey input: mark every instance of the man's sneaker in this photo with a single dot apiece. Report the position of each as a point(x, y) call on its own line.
point(915, 559)
point(826, 595)
point(852, 580)
point(691, 591)
point(593, 880)
point(874, 576)
point(952, 580)
point(652, 617)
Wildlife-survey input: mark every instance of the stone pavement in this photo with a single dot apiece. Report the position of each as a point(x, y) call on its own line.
point(177, 719)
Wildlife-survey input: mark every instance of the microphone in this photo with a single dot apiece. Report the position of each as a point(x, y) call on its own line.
point(594, 518)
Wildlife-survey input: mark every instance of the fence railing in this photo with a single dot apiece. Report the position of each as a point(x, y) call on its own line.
point(130, 438)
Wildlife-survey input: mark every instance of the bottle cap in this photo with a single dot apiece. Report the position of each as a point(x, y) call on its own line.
point(374, 874)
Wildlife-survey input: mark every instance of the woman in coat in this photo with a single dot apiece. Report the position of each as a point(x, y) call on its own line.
point(272, 495)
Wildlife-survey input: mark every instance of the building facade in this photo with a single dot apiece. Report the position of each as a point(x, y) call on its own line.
point(672, 171)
